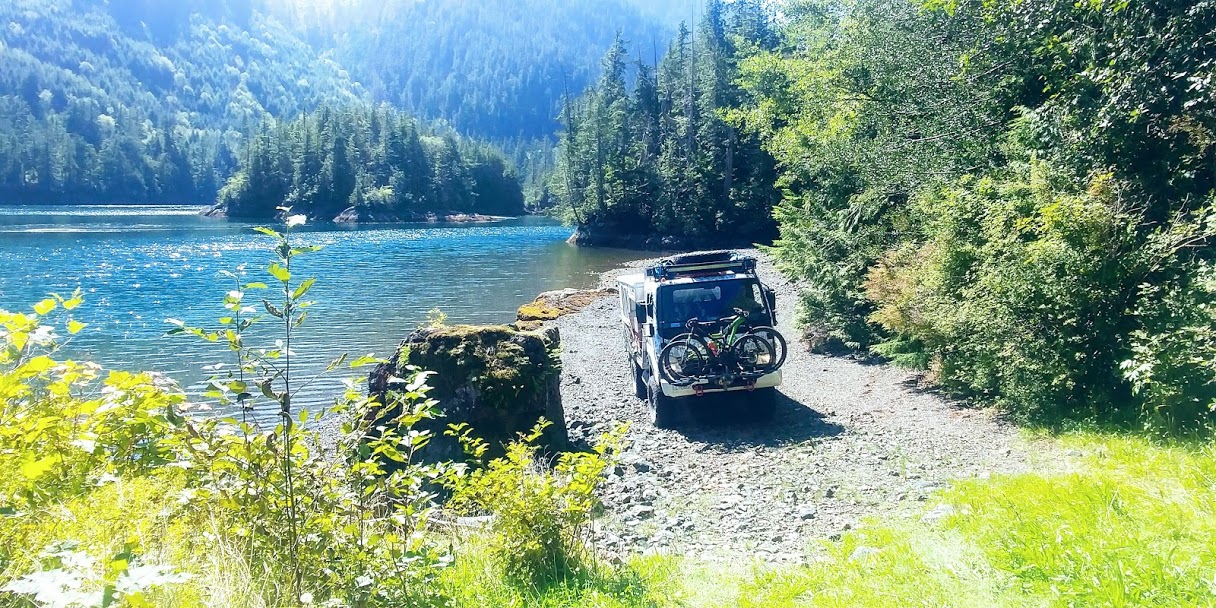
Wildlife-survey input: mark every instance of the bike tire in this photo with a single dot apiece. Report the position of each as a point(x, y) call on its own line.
point(753, 354)
point(774, 337)
point(685, 359)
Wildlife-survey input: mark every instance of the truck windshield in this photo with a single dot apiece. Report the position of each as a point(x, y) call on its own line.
point(709, 301)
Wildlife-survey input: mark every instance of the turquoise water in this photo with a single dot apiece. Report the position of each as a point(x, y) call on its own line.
point(139, 266)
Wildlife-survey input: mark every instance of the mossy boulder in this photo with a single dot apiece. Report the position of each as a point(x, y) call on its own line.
point(554, 304)
point(497, 379)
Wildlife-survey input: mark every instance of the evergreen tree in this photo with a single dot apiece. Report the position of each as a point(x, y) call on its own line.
point(372, 163)
point(661, 160)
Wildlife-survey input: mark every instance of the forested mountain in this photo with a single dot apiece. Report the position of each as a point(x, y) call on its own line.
point(492, 68)
point(142, 101)
point(658, 161)
point(152, 101)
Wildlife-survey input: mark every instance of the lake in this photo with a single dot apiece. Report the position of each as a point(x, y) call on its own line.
point(139, 266)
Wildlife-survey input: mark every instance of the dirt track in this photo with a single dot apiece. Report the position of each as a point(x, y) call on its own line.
point(849, 440)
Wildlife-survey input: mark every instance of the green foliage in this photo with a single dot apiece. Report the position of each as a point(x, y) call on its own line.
point(66, 425)
point(1173, 362)
point(436, 318)
point(71, 433)
point(660, 160)
point(344, 525)
point(120, 536)
point(476, 580)
point(990, 191)
point(1130, 526)
point(375, 164)
point(540, 515)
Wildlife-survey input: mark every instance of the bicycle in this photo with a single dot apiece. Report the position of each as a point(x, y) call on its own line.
point(728, 355)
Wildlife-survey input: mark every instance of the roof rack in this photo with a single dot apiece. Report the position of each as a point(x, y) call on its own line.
point(701, 264)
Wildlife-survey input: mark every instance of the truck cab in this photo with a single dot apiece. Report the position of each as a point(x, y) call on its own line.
point(656, 306)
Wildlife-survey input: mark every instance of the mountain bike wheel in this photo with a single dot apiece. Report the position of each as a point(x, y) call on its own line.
point(753, 354)
point(777, 341)
point(685, 359)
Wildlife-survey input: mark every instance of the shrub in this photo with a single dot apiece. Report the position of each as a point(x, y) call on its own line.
point(64, 424)
point(540, 514)
point(1172, 366)
point(70, 435)
point(1030, 292)
point(346, 526)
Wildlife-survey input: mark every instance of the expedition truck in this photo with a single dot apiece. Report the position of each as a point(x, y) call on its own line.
point(657, 305)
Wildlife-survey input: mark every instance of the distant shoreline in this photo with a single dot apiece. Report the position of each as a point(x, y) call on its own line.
point(353, 216)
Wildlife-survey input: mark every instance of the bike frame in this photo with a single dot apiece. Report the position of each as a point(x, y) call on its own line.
point(728, 335)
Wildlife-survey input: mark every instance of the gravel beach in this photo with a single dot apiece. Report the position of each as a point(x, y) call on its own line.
point(850, 440)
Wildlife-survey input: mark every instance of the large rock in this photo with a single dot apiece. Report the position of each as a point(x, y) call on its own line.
point(555, 304)
point(498, 379)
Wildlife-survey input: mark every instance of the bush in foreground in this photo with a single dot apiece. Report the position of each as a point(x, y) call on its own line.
point(120, 499)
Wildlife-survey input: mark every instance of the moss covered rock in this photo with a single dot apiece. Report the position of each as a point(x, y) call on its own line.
point(498, 379)
point(553, 304)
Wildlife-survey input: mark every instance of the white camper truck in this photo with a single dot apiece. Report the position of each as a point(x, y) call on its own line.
point(685, 300)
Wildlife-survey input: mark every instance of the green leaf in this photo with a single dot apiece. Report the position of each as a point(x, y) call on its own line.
point(45, 307)
point(272, 309)
point(33, 469)
point(75, 302)
point(303, 289)
point(268, 232)
point(336, 362)
point(279, 272)
point(364, 361)
point(256, 285)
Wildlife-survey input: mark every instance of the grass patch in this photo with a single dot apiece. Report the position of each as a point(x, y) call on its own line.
point(1133, 525)
point(477, 579)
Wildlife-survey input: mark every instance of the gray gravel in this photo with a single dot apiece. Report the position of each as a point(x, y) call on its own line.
point(850, 440)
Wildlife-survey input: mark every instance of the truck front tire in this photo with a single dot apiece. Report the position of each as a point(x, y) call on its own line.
point(664, 411)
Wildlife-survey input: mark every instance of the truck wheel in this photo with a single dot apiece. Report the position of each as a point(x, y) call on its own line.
point(761, 405)
point(664, 411)
point(639, 382)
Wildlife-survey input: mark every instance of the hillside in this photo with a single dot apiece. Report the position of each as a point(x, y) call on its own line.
point(145, 101)
point(495, 68)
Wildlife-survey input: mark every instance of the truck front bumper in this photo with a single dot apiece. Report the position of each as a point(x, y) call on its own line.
point(707, 387)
